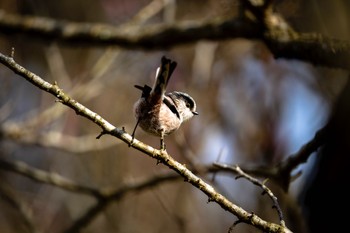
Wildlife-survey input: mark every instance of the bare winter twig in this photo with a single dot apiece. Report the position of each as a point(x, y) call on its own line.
point(255, 181)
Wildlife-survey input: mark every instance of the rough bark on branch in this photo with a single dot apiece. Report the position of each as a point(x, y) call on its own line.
point(160, 156)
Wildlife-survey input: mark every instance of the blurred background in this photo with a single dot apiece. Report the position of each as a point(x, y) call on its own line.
point(253, 110)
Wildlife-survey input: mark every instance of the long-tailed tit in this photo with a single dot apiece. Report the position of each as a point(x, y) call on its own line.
point(160, 113)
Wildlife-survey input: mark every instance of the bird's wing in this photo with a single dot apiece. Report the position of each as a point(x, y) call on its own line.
point(168, 101)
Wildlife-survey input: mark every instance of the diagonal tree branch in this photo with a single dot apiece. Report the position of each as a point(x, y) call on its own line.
point(48, 178)
point(116, 195)
point(25, 213)
point(103, 196)
point(282, 172)
point(160, 156)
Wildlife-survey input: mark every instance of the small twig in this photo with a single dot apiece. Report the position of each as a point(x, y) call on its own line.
point(282, 172)
point(100, 135)
point(255, 181)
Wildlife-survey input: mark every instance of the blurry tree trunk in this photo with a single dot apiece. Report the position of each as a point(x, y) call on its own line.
point(325, 195)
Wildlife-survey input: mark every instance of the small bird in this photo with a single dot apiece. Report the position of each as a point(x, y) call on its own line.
point(160, 113)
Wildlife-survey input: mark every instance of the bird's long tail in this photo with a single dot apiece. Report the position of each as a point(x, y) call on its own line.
point(163, 75)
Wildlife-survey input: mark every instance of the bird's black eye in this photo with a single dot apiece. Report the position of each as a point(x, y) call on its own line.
point(188, 105)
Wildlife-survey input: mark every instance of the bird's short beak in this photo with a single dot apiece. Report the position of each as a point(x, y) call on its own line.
point(195, 113)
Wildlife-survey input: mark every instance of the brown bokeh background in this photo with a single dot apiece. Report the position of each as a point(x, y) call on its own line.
point(254, 110)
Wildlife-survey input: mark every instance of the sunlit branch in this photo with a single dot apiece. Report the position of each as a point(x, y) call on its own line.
point(161, 156)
